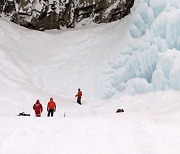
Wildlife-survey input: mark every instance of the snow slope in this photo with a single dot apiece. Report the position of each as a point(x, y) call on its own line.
point(137, 55)
point(150, 124)
point(141, 50)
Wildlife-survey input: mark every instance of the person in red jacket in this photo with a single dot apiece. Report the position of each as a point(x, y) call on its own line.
point(51, 107)
point(79, 95)
point(38, 108)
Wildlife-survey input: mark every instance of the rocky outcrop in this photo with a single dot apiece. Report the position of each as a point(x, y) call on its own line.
point(58, 14)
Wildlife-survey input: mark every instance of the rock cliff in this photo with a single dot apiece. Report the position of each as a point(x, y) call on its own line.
point(58, 14)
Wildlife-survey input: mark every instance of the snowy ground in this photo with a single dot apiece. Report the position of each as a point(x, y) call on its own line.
point(136, 55)
point(150, 124)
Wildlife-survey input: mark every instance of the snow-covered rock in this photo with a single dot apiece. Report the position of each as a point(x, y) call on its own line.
point(58, 14)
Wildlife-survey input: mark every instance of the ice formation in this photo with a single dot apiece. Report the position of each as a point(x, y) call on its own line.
point(153, 54)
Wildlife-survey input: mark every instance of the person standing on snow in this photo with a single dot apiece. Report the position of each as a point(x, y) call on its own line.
point(79, 95)
point(51, 107)
point(38, 108)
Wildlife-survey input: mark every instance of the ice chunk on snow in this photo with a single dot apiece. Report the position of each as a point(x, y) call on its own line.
point(159, 26)
point(140, 24)
point(157, 6)
point(135, 32)
point(178, 44)
point(166, 63)
point(167, 73)
point(174, 75)
point(142, 10)
point(175, 3)
point(159, 81)
point(174, 78)
point(137, 86)
point(150, 17)
point(173, 30)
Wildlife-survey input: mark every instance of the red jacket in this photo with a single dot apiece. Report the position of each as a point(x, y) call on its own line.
point(51, 105)
point(79, 94)
point(38, 108)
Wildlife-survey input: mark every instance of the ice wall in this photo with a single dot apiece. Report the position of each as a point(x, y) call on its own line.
point(152, 59)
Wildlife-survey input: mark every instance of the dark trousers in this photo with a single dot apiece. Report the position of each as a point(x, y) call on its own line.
point(79, 100)
point(50, 111)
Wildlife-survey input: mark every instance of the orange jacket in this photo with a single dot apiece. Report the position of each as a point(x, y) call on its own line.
point(51, 105)
point(79, 94)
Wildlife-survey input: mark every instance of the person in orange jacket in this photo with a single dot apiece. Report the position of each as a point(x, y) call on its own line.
point(51, 107)
point(79, 95)
point(38, 108)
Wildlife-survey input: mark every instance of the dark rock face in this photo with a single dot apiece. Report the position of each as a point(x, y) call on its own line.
point(58, 14)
